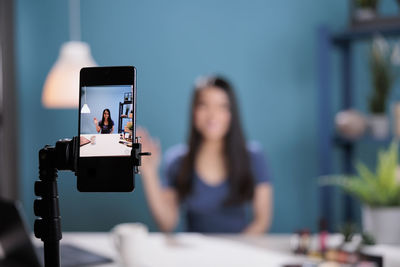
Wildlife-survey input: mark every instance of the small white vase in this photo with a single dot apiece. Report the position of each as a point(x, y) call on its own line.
point(379, 125)
point(382, 223)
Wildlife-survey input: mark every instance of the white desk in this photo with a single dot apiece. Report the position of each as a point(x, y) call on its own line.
point(185, 249)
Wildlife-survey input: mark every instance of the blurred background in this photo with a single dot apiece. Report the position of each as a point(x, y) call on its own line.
point(287, 73)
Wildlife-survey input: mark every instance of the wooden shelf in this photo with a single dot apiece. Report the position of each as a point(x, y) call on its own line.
point(343, 141)
point(381, 22)
point(121, 115)
point(328, 140)
point(386, 26)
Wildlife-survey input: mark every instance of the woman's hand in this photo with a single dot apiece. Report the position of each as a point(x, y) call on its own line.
point(163, 202)
point(151, 163)
point(96, 124)
point(262, 210)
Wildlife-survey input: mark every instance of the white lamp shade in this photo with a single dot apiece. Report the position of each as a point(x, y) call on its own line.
point(85, 109)
point(61, 88)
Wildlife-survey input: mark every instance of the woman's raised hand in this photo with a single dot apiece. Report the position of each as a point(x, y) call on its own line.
point(95, 120)
point(151, 163)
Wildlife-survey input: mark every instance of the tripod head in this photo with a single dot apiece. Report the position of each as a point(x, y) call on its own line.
point(67, 154)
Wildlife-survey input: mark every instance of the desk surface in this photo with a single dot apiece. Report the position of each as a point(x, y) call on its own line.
point(200, 250)
point(210, 250)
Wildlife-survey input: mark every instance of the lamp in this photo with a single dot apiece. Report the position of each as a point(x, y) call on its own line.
point(85, 108)
point(60, 89)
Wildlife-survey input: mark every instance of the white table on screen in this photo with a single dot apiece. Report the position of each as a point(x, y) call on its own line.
point(104, 145)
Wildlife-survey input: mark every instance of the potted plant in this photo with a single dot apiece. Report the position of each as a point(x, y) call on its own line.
point(365, 9)
point(382, 80)
point(379, 193)
point(128, 127)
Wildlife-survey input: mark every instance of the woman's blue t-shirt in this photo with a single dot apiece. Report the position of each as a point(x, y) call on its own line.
point(204, 209)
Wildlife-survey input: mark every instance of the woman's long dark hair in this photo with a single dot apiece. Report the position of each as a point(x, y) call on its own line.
point(240, 177)
point(109, 120)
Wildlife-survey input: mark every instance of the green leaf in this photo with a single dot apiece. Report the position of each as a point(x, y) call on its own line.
point(375, 189)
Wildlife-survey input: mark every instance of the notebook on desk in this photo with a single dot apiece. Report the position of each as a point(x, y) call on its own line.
point(17, 249)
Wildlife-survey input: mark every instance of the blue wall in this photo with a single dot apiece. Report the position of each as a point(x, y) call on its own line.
point(267, 48)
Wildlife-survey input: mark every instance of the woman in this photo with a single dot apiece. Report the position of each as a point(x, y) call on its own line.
point(106, 125)
point(215, 175)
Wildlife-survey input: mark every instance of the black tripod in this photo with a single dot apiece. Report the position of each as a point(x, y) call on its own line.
point(51, 159)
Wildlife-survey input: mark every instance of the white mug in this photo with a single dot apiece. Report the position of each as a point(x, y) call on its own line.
point(130, 240)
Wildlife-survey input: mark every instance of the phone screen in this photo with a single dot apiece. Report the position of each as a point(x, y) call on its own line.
point(107, 108)
point(106, 121)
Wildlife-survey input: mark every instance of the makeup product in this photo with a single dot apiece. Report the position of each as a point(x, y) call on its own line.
point(323, 236)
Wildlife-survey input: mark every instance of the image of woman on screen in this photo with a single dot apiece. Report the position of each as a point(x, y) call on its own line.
point(106, 125)
point(216, 176)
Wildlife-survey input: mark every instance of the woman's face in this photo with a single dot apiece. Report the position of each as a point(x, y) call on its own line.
point(106, 114)
point(212, 114)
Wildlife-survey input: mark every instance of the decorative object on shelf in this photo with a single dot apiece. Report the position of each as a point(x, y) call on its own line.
point(382, 80)
point(124, 108)
point(396, 119)
point(350, 124)
point(127, 97)
point(365, 9)
point(128, 131)
point(128, 127)
point(379, 125)
point(379, 193)
point(395, 57)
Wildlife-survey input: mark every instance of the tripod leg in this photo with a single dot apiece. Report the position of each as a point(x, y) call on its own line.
point(48, 227)
point(52, 253)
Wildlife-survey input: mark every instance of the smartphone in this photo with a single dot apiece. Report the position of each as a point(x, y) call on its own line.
point(107, 129)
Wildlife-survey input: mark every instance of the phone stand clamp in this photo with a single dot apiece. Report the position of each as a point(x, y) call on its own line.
point(63, 156)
